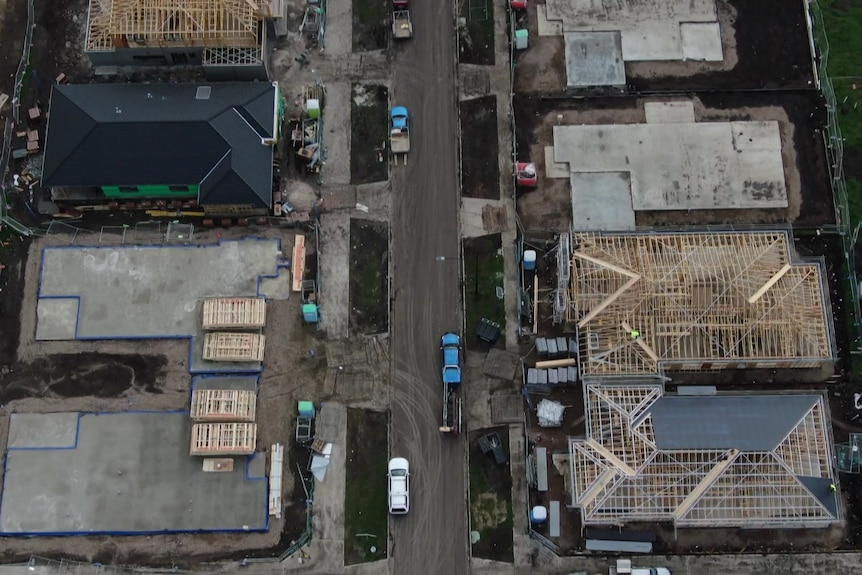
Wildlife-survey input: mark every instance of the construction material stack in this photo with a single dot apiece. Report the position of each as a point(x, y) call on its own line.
point(223, 314)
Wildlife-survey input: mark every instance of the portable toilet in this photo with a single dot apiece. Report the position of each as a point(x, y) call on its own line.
point(309, 313)
point(306, 409)
point(530, 260)
point(312, 108)
point(538, 514)
point(521, 39)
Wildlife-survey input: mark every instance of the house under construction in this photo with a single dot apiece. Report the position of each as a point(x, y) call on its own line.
point(751, 461)
point(226, 37)
point(648, 303)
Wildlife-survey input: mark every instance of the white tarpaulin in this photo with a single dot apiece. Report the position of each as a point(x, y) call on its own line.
point(550, 413)
point(319, 463)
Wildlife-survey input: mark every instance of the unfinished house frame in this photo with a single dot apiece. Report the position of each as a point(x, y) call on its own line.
point(234, 313)
point(228, 405)
point(226, 346)
point(702, 461)
point(228, 32)
point(646, 303)
point(214, 439)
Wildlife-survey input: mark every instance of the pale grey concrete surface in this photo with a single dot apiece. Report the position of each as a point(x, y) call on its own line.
point(602, 201)
point(705, 165)
point(649, 30)
point(230, 382)
point(129, 472)
point(669, 112)
point(701, 41)
point(334, 273)
point(138, 292)
point(594, 59)
point(43, 430)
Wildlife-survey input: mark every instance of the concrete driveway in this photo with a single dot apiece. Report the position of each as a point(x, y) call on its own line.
point(426, 292)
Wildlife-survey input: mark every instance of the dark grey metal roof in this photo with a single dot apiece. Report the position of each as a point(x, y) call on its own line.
point(746, 423)
point(162, 134)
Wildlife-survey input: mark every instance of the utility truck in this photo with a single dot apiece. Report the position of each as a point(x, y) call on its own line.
point(399, 133)
point(451, 352)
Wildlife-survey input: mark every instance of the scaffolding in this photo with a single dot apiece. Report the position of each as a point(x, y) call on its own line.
point(211, 439)
point(617, 474)
point(173, 23)
point(226, 346)
point(234, 313)
point(653, 302)
point(228, 405)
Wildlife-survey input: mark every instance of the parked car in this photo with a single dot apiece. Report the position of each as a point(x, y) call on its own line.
point(450, 345)
point(650, 571)
point(399, 486)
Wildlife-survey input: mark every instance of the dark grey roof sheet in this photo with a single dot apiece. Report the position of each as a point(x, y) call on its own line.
point(821, 488)
point(746, 423)
point(161, 134)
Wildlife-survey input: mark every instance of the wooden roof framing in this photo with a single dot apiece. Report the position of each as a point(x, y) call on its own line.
point(227, 346)
point(618, 475)
point(174, 23)
point(223, 439)
point(697, 301)
point(213, 405)
point(234, 313)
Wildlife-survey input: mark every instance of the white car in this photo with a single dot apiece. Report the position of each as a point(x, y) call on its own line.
point(399, 486)
point(650, 571)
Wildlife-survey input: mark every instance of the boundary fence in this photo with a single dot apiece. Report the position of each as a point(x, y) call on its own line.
point(69, 567)
point(834, 144)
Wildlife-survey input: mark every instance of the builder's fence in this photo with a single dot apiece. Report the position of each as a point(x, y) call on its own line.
point(68, 567)
point(834, 144)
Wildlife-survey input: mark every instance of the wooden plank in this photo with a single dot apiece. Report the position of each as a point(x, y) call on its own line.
point(276, 466)
point(768, 285)
point(234, 313)
point(218, 465)
point(298, 262)
point(704, 484)
point(641, 343)
point(226, 346)
point(223, 439)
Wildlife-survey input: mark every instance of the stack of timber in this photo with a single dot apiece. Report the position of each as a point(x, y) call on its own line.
point(226, 405)
point(225, 346)
point(211, 439)
point(234, 313)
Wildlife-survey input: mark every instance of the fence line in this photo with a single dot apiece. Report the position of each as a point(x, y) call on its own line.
point(834, 144)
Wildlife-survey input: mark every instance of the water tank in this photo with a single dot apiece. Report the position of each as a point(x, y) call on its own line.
point(538, 514)
point(530, 260)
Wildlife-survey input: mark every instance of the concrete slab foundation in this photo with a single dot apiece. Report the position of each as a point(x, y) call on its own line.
point(602, 201)
point(125, 473)
point(701, 41)
point(553, 168)
point(649, 31)
point(594, 59)
point(229, 382)
point(704, 166)
point(669, 112)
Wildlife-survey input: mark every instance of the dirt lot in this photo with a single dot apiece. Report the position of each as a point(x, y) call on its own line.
point(115, 376)
point(799, 114)
point(491, 499)
point(765, 46)
point(480, 173)
point(476, 36)
point(483, 274)
point(369, 108)
point(369, 277)
point(370, 25)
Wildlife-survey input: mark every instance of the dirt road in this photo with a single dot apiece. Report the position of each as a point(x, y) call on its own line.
point(433, 537)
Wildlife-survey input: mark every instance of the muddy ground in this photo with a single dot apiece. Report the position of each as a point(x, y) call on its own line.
point(369, 131)
point(765, 46)
point(800, 115)
point(370, 25)
point(369, 277)
point(491, 499)
point(476, 31)
point(480, 172)
point(483, 273)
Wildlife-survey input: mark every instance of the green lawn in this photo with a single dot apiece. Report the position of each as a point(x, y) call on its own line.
point(483, 273)
point(365, 508)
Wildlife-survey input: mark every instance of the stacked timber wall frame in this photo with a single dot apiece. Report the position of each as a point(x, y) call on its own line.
point(211, 439)
point(234, 313)
point(226, 405)
point(644, 303)
point(225, 346)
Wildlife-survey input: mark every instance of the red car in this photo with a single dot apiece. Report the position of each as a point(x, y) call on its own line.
point(526, 175)
point(399, 4)
point(518, 4)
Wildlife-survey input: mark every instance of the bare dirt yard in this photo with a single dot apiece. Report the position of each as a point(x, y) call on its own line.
point(369, 277)
point(800, 116)
point(369, 106)
point(765, 46)
point(480, 174)
point(370, 25)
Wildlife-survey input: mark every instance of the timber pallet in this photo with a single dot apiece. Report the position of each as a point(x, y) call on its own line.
point(234, 313)
point(225, 346)
point(212, 405)
point(223, 439)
